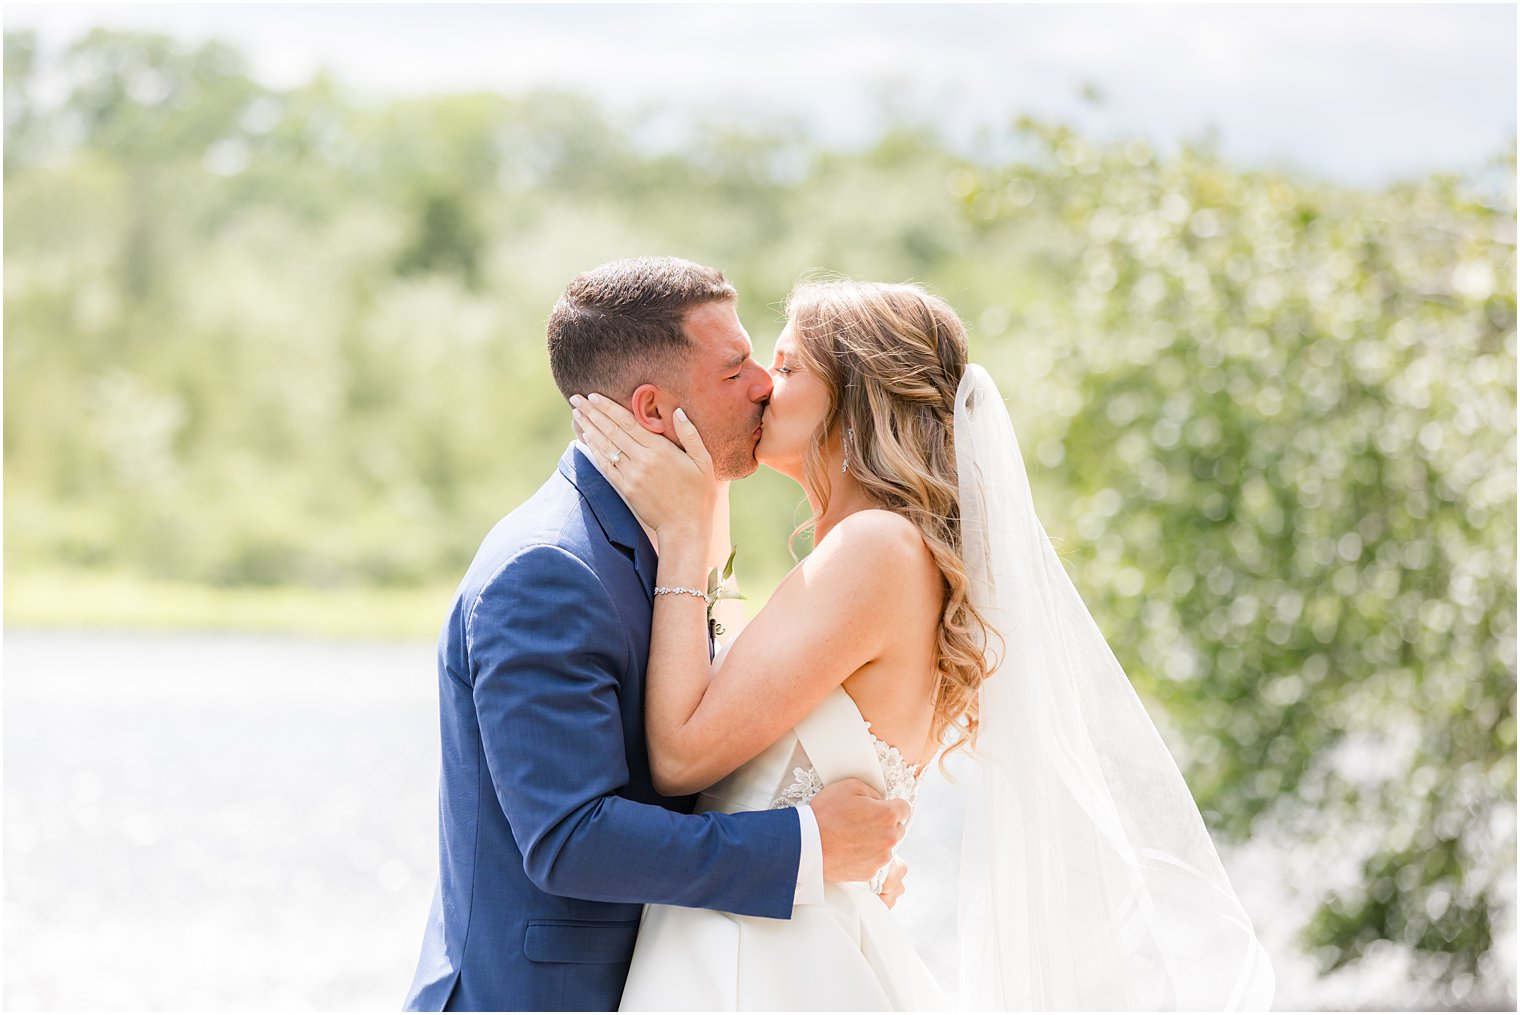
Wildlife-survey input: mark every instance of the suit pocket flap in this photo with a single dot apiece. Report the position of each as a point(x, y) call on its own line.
point(579, 941)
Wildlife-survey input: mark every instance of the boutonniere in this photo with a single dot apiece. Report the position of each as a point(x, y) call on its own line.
point(718, 589)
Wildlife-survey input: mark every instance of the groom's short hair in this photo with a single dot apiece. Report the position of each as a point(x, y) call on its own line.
point(616, 325)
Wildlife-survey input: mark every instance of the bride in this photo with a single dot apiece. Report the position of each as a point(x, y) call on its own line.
point(932, 615)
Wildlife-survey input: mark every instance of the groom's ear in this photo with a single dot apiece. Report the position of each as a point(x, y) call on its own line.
point(648, 405)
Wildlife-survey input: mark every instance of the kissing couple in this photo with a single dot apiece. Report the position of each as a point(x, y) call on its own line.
point(637, 814)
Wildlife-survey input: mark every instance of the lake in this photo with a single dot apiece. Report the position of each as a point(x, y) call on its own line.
point(231, 822)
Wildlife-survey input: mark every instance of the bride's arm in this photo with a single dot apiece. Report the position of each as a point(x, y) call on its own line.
point(830, 616)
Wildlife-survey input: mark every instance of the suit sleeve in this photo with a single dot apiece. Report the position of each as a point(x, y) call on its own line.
point(546, 648)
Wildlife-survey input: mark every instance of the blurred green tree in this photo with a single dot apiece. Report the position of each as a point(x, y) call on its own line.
point(1284, 427)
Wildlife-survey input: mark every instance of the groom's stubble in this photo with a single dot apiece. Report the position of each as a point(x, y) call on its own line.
point(727, 435)
point(733, 454)
point(724, 391)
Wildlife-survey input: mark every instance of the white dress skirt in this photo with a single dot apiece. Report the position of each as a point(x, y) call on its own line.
point(847, 954)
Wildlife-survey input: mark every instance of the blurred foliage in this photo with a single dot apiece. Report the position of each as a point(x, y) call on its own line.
point(275, 338)
point(1283, 421)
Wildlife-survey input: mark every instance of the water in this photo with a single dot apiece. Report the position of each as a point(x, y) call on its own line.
point(233, 822)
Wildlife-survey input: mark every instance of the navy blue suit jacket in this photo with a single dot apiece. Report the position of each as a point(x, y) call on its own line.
point(551, 835)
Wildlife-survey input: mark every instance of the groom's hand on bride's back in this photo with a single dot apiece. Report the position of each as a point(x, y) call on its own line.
point(857, 829)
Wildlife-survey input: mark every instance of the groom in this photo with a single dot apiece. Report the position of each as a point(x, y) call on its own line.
point(551, 835)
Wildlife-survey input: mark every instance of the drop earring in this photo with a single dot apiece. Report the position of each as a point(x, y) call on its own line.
point(849, 435)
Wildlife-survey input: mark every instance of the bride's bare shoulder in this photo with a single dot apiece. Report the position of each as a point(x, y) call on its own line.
point(877, 538)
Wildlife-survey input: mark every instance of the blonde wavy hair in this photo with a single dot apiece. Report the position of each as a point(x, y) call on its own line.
point(892, 356)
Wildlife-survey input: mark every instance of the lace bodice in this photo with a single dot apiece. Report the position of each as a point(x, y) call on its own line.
point(841, 952)
point(831, 743)
point(902, 782)
point(897, 775)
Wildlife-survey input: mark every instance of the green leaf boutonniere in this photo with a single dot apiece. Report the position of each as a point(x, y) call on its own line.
point(719, 589)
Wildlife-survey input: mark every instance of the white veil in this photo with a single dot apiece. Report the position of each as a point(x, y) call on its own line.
point(1088, 880)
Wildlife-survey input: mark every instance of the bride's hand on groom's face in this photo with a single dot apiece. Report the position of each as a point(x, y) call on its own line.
point(668, 487)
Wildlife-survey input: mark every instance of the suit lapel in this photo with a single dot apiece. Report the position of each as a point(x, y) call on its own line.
point(612, 513)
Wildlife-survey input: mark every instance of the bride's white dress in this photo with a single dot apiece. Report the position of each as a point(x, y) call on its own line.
point(847, 954)
point(1088, 879)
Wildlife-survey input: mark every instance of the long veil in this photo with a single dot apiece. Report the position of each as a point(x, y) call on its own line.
point(1088, 880)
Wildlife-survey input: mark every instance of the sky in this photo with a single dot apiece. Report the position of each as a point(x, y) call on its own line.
point(1359, 93)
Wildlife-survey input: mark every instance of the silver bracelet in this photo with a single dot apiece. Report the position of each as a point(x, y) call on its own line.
point(659, 591)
